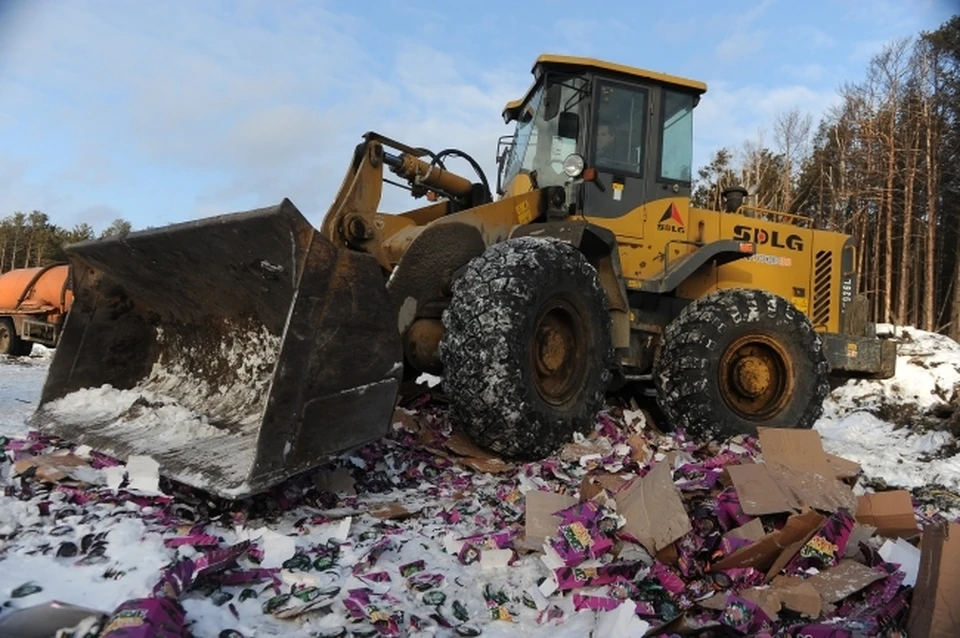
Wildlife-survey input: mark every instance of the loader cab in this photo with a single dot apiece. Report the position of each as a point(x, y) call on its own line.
point(549, 133)
point(616, 137)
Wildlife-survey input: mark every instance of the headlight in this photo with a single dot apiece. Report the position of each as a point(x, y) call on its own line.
point(573, 165)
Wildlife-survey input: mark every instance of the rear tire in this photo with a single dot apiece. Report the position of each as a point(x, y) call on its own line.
point(10, 342)
point(736, 360)
point(526, 352)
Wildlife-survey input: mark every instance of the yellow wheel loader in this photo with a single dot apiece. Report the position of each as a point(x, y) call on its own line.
point(239, 350)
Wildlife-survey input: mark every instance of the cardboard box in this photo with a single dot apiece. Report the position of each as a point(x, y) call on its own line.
point(775, 548)
point(935, 610)
point(890, 512)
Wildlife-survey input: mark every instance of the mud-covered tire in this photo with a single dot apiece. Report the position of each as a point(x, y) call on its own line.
point(526, 351)
point(10, 342)
point(739, 359)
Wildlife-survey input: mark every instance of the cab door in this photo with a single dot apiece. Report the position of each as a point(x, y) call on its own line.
point(619, 151)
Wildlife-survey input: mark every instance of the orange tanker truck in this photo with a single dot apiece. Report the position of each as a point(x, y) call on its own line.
point(33, 305)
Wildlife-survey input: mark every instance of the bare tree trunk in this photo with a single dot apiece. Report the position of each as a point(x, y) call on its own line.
point(906, 250)
point(791, 130)
point(932, 171)
point(888, 225)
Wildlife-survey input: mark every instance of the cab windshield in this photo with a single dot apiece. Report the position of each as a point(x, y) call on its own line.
point(548, 130)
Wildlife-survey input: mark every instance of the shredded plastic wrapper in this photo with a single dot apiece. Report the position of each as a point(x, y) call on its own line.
point(429, 538)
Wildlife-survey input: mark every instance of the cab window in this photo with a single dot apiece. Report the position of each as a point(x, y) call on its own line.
point(620, 128)
point(676, 159)
point(548, 130)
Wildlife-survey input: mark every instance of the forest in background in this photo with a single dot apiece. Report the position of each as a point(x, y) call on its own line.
point(883, 166)
point(30, 239)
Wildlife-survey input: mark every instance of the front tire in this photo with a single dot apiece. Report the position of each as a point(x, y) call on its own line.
point(526, 352)
point(736, 360)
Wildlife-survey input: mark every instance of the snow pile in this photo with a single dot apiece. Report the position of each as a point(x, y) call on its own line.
point(902, 430)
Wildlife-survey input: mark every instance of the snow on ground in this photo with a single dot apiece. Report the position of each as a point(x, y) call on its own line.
point(891, 427)
point(21, 381)
point(385, 508)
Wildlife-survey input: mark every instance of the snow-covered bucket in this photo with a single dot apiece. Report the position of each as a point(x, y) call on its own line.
point(235, 350)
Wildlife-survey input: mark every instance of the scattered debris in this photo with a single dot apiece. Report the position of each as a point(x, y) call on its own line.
point(626, 532)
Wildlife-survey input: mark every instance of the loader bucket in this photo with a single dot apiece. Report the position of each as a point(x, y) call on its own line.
point(235, 351)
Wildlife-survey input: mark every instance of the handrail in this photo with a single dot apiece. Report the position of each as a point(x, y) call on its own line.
point(791, 218)
point(666, 250)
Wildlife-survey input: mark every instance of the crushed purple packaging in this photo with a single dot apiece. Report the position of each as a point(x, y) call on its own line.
point(579, 534)
point(595, 603)
point(745, 616)
point(594, 576)
point(827, 546)
point(731, 513)
point(669, 580)
point(178, 578)
point(146, 618)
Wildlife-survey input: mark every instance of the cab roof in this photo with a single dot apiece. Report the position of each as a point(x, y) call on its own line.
point(547, 61)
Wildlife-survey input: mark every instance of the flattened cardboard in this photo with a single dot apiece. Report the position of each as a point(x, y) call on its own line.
point(787, 555)
point(653, 509)
point(798, 595)
point(752, 531)
point(391, 511)
point(844, 469)
point(814, 490)
point(540, 523)
point(473, 456)
point(845, 579)
point(50, 467)
point(890, 512)
point(759, 492)
point(595, 482)
point(407, 420)
point(765, 553)
point(639, 449)
point(796, 449)
point(935, 610)
point(767, 598)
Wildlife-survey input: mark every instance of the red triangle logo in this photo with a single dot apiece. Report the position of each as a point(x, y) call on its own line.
point(672, 214)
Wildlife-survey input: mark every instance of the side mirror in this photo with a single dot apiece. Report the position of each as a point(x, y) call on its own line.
point(569, 125)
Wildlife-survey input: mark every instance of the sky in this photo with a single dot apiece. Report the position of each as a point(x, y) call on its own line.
point(161, 112)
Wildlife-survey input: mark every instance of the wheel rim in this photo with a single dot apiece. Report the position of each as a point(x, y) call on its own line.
point(558, 352)
point(756, 377)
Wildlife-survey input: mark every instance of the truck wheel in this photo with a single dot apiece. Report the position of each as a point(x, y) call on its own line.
point(736, 360)
point(10, 343)
point(526, 352)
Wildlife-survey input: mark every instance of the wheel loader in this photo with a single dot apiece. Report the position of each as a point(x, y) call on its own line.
point(241, 349)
